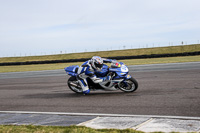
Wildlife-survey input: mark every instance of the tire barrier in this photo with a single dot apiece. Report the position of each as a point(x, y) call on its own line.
point(115, 57)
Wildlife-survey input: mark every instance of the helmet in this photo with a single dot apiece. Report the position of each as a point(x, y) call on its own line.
point(97, 62)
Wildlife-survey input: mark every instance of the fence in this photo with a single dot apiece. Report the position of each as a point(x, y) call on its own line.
point(117, 47)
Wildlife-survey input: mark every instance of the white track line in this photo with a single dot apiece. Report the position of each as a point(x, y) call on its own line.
point(142, 124)
point(83, 123)
point(97, 114)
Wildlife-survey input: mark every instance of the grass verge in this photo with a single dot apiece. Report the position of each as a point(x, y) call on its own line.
point(58, 129)
point(40, 67)
point(128, 52)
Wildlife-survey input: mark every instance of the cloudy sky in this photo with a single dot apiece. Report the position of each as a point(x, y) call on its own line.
point(34, 27)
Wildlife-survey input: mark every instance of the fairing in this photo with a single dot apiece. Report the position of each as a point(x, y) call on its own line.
point(71, 70)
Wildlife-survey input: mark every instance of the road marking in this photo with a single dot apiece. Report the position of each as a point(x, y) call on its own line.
point(84, 123)
point(97, 114)
point(142, 124)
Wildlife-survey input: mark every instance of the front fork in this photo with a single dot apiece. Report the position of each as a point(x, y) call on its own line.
point(126, 78)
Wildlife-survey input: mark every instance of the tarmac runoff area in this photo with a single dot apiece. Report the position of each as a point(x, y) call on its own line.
point(145, 123)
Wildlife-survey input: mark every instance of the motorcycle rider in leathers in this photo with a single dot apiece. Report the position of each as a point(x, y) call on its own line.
point(88, 69)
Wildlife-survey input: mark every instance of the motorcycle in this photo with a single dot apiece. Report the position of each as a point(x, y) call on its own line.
point(118, 71)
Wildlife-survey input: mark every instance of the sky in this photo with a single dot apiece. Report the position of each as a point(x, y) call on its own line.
point(43, 27)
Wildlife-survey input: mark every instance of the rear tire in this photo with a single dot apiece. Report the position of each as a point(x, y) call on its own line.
point(131, 85)
point(73, 88)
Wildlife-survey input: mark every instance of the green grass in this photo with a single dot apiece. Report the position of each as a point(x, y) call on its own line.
point(58, 129)
point(21, 68)
point(128, 52)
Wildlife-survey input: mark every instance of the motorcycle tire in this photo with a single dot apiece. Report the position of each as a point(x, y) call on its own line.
point(131, 85)
point(73, 88)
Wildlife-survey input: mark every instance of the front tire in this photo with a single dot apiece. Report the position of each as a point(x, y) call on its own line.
point(77, 89)
point(130, 85)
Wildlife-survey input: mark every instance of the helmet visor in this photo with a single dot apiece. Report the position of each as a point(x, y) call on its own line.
point(98, 65)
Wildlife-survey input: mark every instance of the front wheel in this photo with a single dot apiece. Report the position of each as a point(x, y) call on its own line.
point(129, 85)
point(74, 85)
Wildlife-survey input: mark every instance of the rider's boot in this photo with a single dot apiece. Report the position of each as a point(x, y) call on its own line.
point(84, 86)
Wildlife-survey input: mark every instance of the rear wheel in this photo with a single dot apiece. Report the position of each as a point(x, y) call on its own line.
point(74, 85)
point(130, 85)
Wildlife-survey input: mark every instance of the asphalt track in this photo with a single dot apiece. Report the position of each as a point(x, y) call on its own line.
point(164, 89)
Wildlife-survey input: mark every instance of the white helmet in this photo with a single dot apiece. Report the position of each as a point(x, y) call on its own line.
point(97, 62)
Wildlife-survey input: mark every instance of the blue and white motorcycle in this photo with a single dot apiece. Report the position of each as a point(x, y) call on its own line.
point(120, 79)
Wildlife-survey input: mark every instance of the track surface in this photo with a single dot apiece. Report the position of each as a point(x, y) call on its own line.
point(164, 89)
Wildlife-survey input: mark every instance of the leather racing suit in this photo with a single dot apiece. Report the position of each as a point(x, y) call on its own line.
point(86, 70)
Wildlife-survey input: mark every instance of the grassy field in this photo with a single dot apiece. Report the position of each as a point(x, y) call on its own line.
point(21, 68)
point(57, 129)
point(128, 52)
point(147, 51)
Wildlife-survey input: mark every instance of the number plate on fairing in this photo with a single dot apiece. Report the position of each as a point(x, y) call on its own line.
point(124, 68)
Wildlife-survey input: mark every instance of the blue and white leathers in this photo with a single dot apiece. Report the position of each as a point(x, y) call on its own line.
point(86, 70)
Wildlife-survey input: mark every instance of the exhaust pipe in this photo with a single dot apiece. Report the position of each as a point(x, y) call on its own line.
point(74, 85)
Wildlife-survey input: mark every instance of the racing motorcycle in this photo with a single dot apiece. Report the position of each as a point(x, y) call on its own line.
point(118, 71)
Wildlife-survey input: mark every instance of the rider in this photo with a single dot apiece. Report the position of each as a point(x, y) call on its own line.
point(88, 69)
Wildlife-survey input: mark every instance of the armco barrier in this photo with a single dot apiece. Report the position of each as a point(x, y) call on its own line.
point(115, 57)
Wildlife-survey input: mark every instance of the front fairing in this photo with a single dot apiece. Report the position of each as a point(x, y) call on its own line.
point(121, 68)
point(121, 71)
